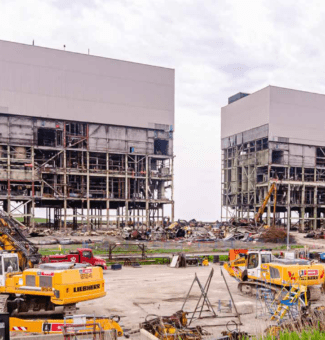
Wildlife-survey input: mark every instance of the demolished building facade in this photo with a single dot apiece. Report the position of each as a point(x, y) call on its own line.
point(86, 138)
point(274, 135)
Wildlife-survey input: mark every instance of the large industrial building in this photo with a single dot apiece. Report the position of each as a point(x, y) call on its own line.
point(274, 135)
point(87, 139)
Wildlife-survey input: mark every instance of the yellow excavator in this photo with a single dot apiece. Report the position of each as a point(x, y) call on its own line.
point(24, 288)
point(260, 269)
point(26, 285)
point(48, 286)
point(260, 212)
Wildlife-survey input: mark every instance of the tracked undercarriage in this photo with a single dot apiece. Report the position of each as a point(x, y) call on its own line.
point(25, 303)
point(251, 288)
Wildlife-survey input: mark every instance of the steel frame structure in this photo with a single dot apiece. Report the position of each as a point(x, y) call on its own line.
point(249, 167)
point(90, 169)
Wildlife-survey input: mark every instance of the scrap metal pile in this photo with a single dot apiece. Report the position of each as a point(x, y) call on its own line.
point(317, 234)
point(172, 327)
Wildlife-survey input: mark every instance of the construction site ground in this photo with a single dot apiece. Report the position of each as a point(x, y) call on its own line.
point(134, 293)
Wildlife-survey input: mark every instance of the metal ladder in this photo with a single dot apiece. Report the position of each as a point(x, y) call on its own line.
point(289, 305)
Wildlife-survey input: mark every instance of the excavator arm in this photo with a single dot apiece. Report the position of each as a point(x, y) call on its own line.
point(263, 206)
point(13, 240)
point(236, 267)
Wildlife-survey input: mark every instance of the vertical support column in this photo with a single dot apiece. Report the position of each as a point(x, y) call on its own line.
point(172, 193)
point(303, 211)
point(25, 213)
point(65, 189)
point(29, 212)
point(254, 193)
point(107, 189)
point(303, 208)
point(288, 215)
point(222, 180)
point(33, 186)
point(8, 178)
point(268, 188)
point(75, 220)
point(126, 190)
point(87, 195)
point(315, 208)
point(241, 213)
point(147, 195)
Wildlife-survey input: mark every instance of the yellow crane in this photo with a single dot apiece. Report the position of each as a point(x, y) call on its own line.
point(263, 206)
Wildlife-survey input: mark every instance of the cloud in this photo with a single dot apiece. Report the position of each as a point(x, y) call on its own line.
point(218, 48)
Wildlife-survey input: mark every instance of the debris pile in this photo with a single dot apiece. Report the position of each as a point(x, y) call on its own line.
point(193, 231)
point(245, 230)
point(172, 327)
point(317, 234)
point(274, 235)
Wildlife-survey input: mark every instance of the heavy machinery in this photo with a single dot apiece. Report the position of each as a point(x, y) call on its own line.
point(259, 268)
point(12, 239)
point(80, 255)
point(24, 288)
point(48, 286)
point(55, 326)
point(26, 285)
point(259, 214)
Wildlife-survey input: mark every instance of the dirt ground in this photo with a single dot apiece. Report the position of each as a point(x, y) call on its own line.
point(133, 293)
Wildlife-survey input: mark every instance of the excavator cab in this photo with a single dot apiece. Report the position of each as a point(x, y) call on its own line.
point(8, 264)
point(254, 261)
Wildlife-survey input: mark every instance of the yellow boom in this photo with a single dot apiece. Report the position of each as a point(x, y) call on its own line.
point(262, 207)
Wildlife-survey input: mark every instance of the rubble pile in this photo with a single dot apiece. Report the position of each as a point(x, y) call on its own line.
point(187, 231)
point(193, 231)
point(274, 235)
point(317, 234)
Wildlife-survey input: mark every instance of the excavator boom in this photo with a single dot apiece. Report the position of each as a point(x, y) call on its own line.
point(263, 206)
point(13, 240)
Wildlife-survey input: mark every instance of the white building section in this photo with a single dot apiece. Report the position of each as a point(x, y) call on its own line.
point(43, 82)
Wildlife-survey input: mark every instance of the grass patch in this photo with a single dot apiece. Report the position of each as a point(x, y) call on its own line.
point(36, 219)
point(313, 334)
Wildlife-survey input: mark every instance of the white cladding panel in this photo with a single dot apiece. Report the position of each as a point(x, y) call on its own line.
point(42, 82)
point(246, 113)
point(297, 115)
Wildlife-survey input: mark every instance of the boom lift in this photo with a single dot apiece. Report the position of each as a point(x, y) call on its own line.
point(258, 269)
point(259, 214)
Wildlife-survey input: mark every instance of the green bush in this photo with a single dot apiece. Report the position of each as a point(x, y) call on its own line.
point(224, 258)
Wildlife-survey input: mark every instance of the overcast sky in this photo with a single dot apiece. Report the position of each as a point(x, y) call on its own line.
point(218, 48)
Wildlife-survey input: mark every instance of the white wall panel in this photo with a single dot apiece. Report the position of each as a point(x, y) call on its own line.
point(43, 82)
point(297, 115)
point(246, 113)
